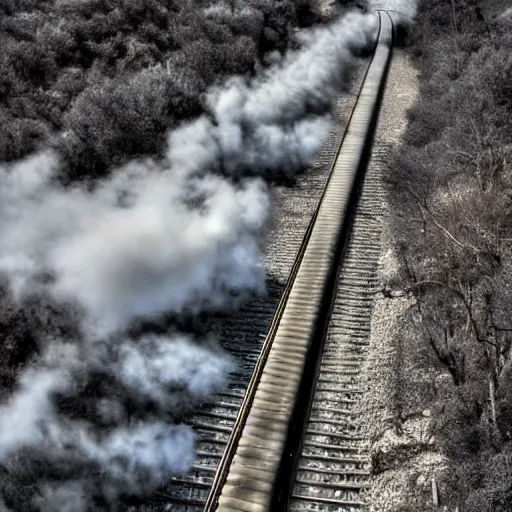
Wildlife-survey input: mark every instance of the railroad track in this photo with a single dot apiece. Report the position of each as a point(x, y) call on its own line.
point(274, 459)
point(330, 471)
point(243, 335)
point(333, 471)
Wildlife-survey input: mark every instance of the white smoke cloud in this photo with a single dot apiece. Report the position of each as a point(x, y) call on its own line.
point(21, 419)
point(179, 236)
point(152, 366)
point(70, 497)
point(163, 256)
point(27, 419)
point(139, 458)
point(275, 123)
point(123, 261)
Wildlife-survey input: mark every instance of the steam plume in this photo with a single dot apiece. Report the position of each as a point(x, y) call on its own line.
point(103, 411)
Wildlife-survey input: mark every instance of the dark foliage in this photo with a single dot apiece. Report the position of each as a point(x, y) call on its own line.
point(105, 79)
point(25, 328)
point(121, 119)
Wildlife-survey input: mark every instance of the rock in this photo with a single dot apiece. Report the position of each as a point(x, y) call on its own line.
point(420, 481)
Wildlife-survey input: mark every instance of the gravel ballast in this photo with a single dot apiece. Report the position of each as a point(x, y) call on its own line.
point(396, 427)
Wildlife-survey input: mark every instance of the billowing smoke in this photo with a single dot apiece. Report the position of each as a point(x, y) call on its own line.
point(100, 414)
point(122, 251)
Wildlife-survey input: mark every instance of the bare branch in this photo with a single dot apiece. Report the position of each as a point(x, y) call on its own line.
point(438, 225)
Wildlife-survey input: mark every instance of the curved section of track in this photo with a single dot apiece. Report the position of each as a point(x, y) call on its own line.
point(256, 471)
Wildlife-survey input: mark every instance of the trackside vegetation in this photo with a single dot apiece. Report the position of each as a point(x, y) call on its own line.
point(450, 187)
point(103, 80)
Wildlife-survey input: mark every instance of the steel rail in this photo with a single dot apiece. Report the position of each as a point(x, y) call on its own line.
point(265, 436)
point(223, 466)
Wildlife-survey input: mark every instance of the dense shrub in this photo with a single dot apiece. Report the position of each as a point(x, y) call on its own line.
point(17, 136)
point(120, 119)
point(93, 70)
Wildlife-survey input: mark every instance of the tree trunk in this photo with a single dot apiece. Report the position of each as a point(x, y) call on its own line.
point(435, 493)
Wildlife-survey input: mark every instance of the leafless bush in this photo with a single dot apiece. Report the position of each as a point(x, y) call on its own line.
point(450, 187)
